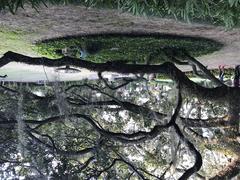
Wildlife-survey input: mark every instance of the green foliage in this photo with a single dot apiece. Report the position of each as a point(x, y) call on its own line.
point(14, 5)
point(128, 48)
point(224, 12)
point(217, 12)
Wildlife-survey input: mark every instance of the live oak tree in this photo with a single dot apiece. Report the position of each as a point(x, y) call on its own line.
point(129, 128)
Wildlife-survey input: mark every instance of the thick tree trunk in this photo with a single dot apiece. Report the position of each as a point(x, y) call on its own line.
point(169, 69)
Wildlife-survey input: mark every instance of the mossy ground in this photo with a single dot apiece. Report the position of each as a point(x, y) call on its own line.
point(16, 41)
point(128, 48)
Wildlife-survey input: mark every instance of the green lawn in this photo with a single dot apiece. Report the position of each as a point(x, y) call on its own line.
point(15, 40)
point(127, 47)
